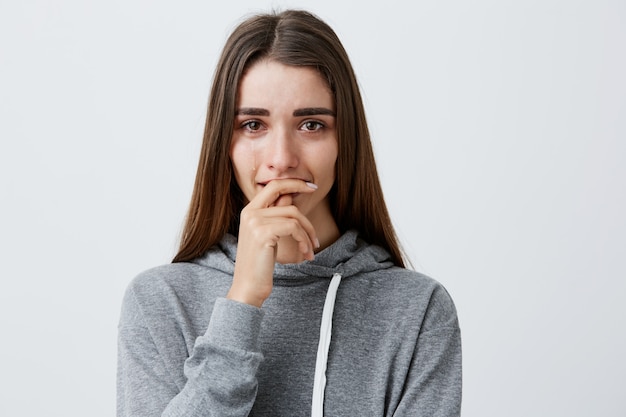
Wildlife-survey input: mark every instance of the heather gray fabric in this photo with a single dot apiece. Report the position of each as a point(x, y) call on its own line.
point(185, 350)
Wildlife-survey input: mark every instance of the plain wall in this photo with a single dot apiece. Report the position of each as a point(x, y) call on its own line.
point(499, 131)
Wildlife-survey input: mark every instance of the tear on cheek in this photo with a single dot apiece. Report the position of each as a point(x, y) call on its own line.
point(253, 151)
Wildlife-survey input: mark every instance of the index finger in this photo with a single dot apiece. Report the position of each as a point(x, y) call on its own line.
point(277, 188)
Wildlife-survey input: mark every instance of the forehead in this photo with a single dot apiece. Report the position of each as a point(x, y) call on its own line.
point(270, 83)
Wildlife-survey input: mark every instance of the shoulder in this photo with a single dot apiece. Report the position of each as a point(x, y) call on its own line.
point(439, 296)
point(411, 294)
point(158, 281)
point(170, 290)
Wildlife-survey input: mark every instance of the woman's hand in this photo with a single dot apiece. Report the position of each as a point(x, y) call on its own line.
point(266, 220)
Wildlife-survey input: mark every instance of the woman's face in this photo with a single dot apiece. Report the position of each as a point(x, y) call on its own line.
point(285, 127)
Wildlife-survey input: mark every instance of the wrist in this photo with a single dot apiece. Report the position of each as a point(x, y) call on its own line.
point(245, 297)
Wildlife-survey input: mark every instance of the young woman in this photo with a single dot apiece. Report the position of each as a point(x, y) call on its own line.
point(288, 295)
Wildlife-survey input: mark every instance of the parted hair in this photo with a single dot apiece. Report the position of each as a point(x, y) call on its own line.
point(296, 38)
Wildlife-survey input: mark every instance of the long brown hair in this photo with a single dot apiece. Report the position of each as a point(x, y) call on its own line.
point(291, 38)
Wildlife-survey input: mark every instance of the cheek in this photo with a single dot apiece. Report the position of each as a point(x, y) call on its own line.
point(329, 163)
point(242, 159)
point(242, 168)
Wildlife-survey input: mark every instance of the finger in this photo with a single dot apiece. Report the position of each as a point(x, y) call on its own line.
point(279, 213)
point(276, 228)
point(284, 200)
point(274, 189)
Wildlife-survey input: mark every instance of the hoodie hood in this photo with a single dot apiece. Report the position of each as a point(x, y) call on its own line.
point(349, 255)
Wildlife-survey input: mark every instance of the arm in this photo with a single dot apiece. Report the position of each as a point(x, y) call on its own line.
point(219, 376)
point(434, 382)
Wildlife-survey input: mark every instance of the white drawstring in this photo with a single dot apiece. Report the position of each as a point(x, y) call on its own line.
point(319, 384)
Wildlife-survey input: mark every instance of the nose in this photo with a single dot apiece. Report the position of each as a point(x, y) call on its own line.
point(281, 151)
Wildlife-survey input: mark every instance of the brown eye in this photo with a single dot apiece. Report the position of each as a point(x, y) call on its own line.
point(252, 125)
point(312, 125)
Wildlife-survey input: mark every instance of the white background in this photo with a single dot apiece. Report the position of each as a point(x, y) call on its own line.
point(499, 129)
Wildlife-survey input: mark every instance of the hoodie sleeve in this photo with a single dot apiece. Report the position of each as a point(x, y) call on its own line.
point(434, 382)
point(220, 375)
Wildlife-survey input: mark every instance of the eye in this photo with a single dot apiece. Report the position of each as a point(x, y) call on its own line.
point(312, 126)
point(252, 125)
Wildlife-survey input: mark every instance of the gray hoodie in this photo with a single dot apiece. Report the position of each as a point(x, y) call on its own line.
point(185, 350)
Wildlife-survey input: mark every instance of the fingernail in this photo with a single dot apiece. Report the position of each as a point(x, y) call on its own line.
point(311, 185)
point(317, 243)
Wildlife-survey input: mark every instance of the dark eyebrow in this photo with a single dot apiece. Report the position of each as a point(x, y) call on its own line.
point(308, 111)
point(252, 111)
point(313, 111)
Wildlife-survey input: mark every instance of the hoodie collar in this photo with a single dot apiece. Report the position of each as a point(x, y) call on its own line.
point(347, 256)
